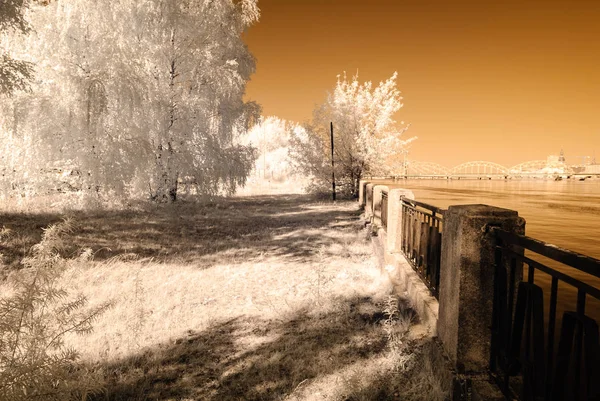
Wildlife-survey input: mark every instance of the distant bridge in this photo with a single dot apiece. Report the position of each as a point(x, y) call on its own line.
point(485, 170)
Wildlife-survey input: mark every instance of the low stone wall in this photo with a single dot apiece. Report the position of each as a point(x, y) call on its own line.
point(460, 320)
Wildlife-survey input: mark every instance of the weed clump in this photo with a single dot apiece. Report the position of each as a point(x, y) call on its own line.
point(35, 315)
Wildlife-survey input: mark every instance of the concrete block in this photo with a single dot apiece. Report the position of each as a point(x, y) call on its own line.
point(362, 187)
point(394, 227)
point(369, 200)
point(377, 191)
point(466, 281)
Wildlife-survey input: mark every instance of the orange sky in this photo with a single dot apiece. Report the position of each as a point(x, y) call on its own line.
point(504, 81)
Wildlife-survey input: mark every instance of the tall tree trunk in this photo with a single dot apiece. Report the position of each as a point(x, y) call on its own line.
point(168, 183)
point(167, 188)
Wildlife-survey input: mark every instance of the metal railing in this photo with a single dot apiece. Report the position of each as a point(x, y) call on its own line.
point(384, 209)
point(525, 359)
point(421, 241)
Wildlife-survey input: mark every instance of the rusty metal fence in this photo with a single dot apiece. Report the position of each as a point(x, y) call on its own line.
point(527, 359)
point(421, 241)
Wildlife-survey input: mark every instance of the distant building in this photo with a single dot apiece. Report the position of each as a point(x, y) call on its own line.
point(555, 161)
point(555, 165)
point(592, 169)
point(552, 160)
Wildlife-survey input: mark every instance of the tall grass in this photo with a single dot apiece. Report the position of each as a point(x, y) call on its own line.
point(264, 298)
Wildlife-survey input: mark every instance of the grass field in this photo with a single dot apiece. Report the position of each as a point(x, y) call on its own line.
point(250, 298)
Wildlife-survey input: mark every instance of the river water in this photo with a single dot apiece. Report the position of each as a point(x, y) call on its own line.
point(563, 213)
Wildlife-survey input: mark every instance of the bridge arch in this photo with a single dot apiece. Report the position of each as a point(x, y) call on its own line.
point(479, 168)
point(414, 167)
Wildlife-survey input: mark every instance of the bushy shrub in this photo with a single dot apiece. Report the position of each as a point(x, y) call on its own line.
point(35, 364)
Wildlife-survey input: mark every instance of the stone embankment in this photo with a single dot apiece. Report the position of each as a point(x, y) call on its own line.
point(459, 318)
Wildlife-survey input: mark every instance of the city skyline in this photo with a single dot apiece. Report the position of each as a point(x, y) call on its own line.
point(503, 82)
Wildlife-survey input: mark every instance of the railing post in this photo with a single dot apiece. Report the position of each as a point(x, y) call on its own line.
point(467, 282)
point(362, 187)
point(369, 200)
point(395, 224)
point(377, 191)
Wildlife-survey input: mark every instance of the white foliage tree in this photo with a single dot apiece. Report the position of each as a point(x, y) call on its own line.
point(15, 74)
point(137, 96)
point(271, 137)
point(367, 138)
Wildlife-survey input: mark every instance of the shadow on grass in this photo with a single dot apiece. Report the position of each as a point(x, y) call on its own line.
point(250, 359)
point(247, 227)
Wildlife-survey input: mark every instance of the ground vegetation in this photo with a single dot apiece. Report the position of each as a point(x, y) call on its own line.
point(257, 298)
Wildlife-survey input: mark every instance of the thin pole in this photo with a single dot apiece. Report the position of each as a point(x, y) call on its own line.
point(332, 166)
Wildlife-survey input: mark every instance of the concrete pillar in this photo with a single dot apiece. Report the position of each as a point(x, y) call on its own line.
point(466, 282)
point(362, 186)
point(394, 229)
point(369, 200)
point(377, 191)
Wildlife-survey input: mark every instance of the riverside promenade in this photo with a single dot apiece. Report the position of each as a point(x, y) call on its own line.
point(472, 275)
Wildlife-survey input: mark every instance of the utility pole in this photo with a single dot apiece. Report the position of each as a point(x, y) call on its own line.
point(332, 166)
